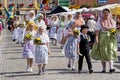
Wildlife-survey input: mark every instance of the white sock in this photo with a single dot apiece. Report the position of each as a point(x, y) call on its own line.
point(111, 64)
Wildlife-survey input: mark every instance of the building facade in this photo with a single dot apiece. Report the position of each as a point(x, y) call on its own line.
point(93, 2)
point(23, 4)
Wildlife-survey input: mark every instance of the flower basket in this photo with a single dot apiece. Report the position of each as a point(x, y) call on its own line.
point(31, 5)
point(12, 4)
point(0, 4)
point(21, 5)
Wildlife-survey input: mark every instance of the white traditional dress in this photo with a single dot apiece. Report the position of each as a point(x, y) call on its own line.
point(28, 49)
point(16, 30)
point(60, 30)
point(70, 48)
point(53, 33)
point(21, 33)
point(30, 32)
point(41, 23)
point(41, 51)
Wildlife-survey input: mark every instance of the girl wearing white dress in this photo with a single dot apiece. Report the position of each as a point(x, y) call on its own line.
point(28, 51)
point(42, 50)
point(70, 48)
point(62, 25)
point(31, 16)
point(53, 29)
point(70, 43)
point(16, 29)
point(40, 22)
point(31, 28)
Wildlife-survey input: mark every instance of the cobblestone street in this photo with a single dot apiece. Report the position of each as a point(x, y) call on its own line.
point(12, 65)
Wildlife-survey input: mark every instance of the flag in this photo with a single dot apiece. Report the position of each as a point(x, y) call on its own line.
point(7, 13)
point(11, 8)
point(41, 6)
point(46, 7)
point(37, 6)
point(17, 6)
point(45, 1)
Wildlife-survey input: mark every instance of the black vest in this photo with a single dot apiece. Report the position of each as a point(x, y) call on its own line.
point(84, 43)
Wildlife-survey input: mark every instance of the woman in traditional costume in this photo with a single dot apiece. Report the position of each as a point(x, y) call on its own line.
point(105, 48)
point(62, 25)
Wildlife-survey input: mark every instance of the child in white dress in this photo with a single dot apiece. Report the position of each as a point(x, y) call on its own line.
point(28, 51)
point(70, 49)
point(42, 50)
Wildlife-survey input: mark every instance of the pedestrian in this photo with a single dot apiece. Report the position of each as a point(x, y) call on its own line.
point(40, 21)
point(105, 48)
point(1, 27)
point(53, 29)
point(28, 51)
point(79, 20)
point(42, 49)
point(31, 15)
point(61, 27)
point(31, 28)
point(84, 49)
point(92, 26)
point(70, 49)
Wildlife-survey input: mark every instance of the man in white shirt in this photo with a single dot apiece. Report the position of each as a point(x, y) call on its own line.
point(92, 26)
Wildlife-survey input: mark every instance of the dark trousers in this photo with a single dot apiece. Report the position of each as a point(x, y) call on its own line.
point(87, 57)
point(92, 37)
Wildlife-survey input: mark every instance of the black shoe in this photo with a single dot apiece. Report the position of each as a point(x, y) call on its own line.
point(43, 70)
point(112, 70)
point(61, 47)
point(69, 66)
point(73, 69)
point(90, 71)
point(79, 71)
point(13, 40)
point(103, 71)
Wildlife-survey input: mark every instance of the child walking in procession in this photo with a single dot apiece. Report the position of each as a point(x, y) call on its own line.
point(28, 51)
point(42, 49)
point(84, 49)
point(70, 49)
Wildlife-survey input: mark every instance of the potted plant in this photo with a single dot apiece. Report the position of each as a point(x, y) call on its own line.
point(0, 4)
point(12, 4)
point(31, 5)
point(21, 5)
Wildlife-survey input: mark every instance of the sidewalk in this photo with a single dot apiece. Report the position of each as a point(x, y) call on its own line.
point(13, 67)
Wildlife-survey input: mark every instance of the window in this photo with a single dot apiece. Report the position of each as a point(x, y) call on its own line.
point(11, 1)
point(30, 1)
point(102, 2)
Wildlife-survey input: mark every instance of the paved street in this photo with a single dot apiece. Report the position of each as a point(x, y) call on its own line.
point(12, 66)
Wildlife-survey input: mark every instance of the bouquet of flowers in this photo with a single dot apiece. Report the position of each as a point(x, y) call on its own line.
point(113, 31)
point(28, 36)
point(21, 25)
point(76, 32)
point(37, 41)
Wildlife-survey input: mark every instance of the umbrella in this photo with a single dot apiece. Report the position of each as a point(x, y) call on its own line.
point(116, 10)
point(59, 9)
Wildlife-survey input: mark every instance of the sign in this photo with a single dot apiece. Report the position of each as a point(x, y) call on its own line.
point(102, 1)
point(64, 2)
point(74, 7)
